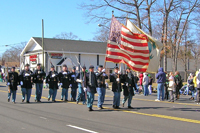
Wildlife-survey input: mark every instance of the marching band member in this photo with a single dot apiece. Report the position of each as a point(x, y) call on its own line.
point(38, 76)
point(128, 87)
point(73, 84)
point(52, 81)
point(80, 80)
point(91, 87)
point(64, 78)
point(116, 79)
point(101, 86)
point(13, 81)
point(26, 82)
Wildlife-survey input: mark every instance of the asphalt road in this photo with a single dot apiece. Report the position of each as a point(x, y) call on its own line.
point(147, 116)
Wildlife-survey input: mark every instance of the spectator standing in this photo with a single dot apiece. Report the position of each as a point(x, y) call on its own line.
point(140, 80)
point(171, 87)
point(178, 82)
point(145, 83)
point(191, 86)
point(166, 86)
point(150, 83)
point(161, 79)
point(198, 87)
point(195, 83)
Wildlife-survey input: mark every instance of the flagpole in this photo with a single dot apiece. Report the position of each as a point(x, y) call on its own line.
point(43, 44)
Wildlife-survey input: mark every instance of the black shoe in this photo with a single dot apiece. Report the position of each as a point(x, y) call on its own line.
point(8, 100)
point(114, 107)
point(90, 109)
point(122, 104)
point(130, 107)
point(77, 102)
point(66, 100)
point(27, 102)
point(48, 99)
point(39, 101)
point(61, 99)
point(102, 107)
point(54, 101)
point(117, 107)
point(22, 100)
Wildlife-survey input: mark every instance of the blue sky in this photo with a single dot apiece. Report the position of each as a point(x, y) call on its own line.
point(22, 19)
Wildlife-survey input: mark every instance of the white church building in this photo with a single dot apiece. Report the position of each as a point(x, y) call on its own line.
point(61, 51)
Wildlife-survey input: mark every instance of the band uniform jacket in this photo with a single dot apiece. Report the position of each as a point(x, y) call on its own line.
point(27, 78)
point(101, 79)
point(73, 76)
point(91, 86)
point(128, 85)
point(13, 80)
point(116, 85)
point(38, 76)
point(52, 79)
point(64, 78)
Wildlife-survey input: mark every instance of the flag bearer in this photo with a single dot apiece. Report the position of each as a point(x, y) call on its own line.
point(38, 77)
point(91, 87)
point(73, 84)
point(13, 81)
point(116, 79)
point(26, 82)
point(64, 78)
point(101, 86)
point(128, 87)
point(52, 81)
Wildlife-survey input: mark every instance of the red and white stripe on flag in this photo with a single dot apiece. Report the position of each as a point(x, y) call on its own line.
point(132, 50)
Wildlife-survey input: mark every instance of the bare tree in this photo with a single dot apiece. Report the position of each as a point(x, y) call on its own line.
point(65, 35)
point(102, 34)
point(167, 24)
point(13, 53)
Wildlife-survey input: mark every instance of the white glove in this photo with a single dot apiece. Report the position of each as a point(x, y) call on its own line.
point(126, 84)
point(53, 75)
point(104, 74)
point(21, 83)
point(64, 72)
point(26, 74)
point(119, 72)
point(8, 83)
point(103, 70)
point(61, 84)
point(79, 80)
point(85, 89)
point(70, 85)
point(117, 79)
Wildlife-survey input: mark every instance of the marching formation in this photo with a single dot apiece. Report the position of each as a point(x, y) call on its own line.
point(87, 83)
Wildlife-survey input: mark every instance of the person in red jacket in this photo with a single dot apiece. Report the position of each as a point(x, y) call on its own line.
point(140, 79)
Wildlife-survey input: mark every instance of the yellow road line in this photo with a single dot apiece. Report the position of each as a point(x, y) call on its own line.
point(134, 112)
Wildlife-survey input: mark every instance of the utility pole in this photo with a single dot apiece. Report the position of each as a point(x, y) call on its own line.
point(43, 44)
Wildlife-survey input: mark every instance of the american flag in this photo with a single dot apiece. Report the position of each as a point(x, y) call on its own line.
point(127, 47)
